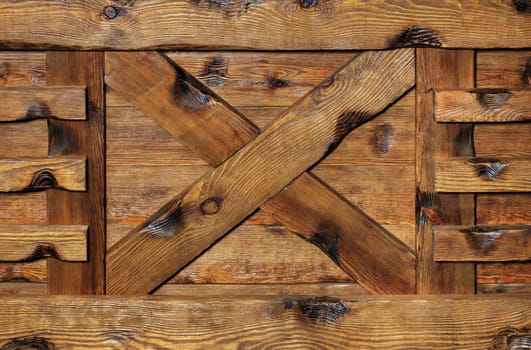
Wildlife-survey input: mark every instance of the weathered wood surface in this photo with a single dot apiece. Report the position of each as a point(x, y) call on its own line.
point(503, 208)
point(483, 105)
point(357, 322)
point(501, 68)
point(69, 137)
point(491, 288)
point(265, 155)
point(482, 243)
point(32, 242)
point(515, 272)
point(270, 25)
point(19, 68)
point(499, 174)
point(33, 174)
point(26, 103)
point(23, 272)
point(440, 69)
point(22, 288)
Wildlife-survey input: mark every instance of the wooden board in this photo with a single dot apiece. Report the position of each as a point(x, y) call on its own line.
point(85, 138)
point(268, 25)
point(500, 174)
point(26, 103)
point(482, 243)
point(439, 69)
point(18, 68)
point(31, 174)
point(482, 105)
point(32, 242)
point(355, 322)
point(245, 163)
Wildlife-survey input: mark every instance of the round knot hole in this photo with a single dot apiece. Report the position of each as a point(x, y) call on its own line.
point(210, 206)
point(111, 11)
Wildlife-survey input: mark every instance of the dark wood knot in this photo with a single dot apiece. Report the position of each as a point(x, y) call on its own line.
point(210, 206)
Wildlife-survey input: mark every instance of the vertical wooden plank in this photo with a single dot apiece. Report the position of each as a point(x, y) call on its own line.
point(79, 138)
point(440, 69)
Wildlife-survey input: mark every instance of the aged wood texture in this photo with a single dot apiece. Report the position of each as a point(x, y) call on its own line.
point(33, 174)
point(516, 272)
point(482, 105)
point(502, 208)
point(269, 25)
point(356, 322)
point(499, 174)
point(214, 204)
point(32, 242)
point(26, 103)
point(22, 288)
point(482, 243)
point(440, 69)
point(79, 138)
point(22, 68)
point(490, 288)
point(500, 68)
point(24, 272)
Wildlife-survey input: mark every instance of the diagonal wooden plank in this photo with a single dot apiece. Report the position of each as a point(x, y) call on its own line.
point(264, 25)
point(219, 200)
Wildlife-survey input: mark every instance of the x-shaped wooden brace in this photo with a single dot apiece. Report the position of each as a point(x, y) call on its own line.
point(254, 169)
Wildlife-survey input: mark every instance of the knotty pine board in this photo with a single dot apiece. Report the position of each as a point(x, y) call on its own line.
point(28, 139)
point(509, 70)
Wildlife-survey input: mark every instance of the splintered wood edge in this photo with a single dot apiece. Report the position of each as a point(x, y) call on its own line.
point(34, 174)
point(23, 243)
point(28, 103)
point(482, 243)
point(483, 174)
point(466, 322)
point(482, 106)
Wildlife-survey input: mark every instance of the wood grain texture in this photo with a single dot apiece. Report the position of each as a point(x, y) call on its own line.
point(69, 137)
point(32, 242)
point(22, 288)
point(439, 69)
point(490, 288)
point(514, 272)
point(260, 170)
point(33, 174)
point(483, 106)
point(19, 68)
point(503, 208)
point(508, 69)
point(399, 322)
point(27, 103)
point(482, 243)
point(35, 271)
point(274, 25)
point(499, 174)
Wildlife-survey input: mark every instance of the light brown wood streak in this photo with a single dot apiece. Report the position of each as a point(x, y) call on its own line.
point(483, 105)
point(31, 242)
point(69, 137)
point(268, 25)
point(23, 272)
point(19, 68)
point(31, 174)
point(500, 174)
point(238, 186)
point(26, 103)
point(440, 69)
point(482, 243)
point(398, 322)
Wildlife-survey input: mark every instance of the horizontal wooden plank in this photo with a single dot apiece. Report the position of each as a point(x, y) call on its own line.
point(22, 68)
point(34, 271)
point(33, 242)
point(482, 243)
point(27, 103)
point(356, 322)
point(510, 69)
point(31, 174)
point(22, 288)
point(509, 272)
point(483, 174)
point(490, 288)
point(503, 208)
point(29, 139)
point(336, 290)
point(482, 106)
point(269, 25)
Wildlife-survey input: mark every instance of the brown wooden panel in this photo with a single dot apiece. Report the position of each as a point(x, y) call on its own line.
point(500, 174)
point(26, 103)
point(355, 322)
point(502, 208)
point(24, 272)
point(502, 68)
point(79, 138)
point(439, 69)
point(30, 174)
point(490, 288)
point(504, 272)
point(276, 25)
point(266, 78)
point(22, 68)
point(31, 242)
point(490, 140)
point(246, 161)
point(23, 288)
point(482, 105)
point(482, 243)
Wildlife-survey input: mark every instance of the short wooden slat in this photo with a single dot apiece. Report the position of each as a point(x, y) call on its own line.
point(32, 242)
point(31, 174)
point(219, 200)
point(483, 174)
point(270, 25)
point(27, 103)
point(483, 106)
point(482, 243)
point(270, 322)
